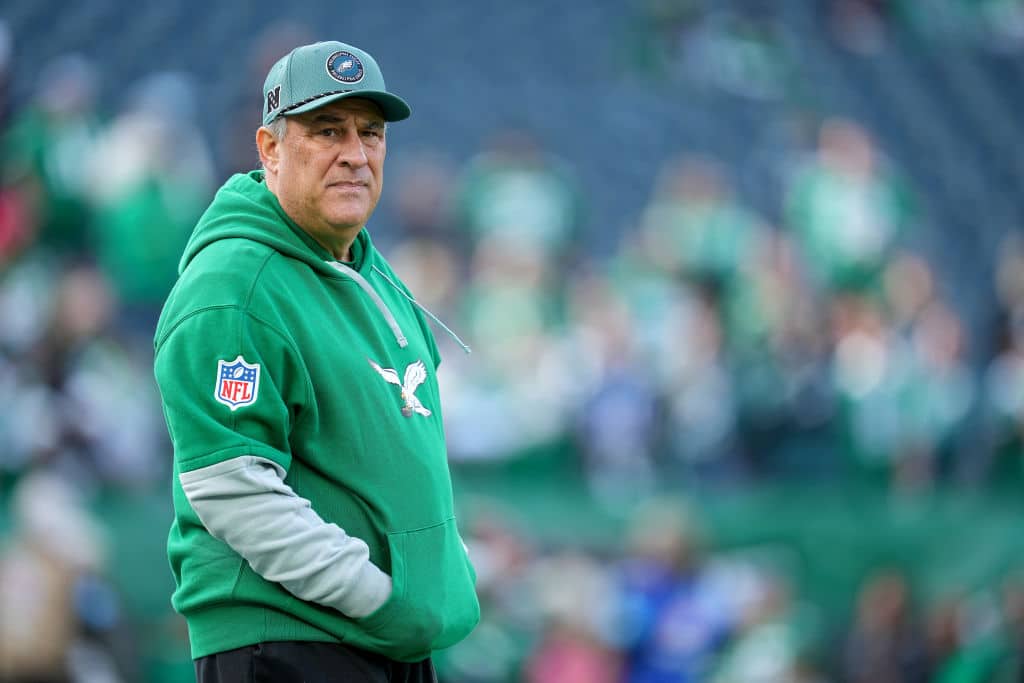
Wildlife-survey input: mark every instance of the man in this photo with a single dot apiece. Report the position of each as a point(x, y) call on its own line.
point(314, 537)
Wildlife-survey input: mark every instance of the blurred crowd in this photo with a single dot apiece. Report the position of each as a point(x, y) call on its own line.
point(713, 349)
point(666, 607)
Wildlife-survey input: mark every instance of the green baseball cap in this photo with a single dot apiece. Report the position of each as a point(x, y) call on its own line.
point(310, 76)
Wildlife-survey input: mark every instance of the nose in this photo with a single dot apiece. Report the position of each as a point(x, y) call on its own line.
point(351, 151)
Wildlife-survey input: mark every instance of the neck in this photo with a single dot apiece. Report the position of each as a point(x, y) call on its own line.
point(341, 250)
point(337, 243)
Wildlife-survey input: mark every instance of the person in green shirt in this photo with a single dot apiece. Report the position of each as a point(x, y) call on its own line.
point(314, 536)
point(40, 155)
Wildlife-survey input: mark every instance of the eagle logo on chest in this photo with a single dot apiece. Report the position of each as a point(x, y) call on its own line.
point(415, 375)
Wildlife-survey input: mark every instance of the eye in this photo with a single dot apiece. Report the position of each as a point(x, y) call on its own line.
point(373, 133)
point(327, 132)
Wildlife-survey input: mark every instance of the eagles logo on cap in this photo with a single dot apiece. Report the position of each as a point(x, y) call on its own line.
point(345, 67)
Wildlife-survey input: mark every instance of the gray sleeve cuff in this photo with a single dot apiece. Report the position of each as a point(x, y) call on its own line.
point(246, 503)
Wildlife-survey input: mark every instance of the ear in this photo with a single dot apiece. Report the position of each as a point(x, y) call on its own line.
point(269, 148)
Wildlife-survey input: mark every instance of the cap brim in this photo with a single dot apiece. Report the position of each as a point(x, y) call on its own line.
point(393, 107)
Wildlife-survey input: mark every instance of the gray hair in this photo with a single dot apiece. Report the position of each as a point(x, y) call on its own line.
point(277, 128)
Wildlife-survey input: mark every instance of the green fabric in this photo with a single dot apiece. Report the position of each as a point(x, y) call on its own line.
point(253, 285)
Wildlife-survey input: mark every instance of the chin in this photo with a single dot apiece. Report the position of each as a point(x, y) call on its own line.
point(347, 217)
point(349, 223)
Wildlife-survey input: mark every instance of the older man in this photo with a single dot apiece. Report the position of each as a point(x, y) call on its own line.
point(314, 536)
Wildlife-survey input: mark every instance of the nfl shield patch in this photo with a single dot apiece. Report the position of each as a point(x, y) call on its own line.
point(238, 383)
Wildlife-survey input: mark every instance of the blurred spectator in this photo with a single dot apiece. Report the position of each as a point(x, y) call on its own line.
point(846, 209)
point(702, 403)
point(572, 593)
point(17, 225)
point(152, 177)
point(695, 227)
point(679, 348)
point(886, 643)
point(616, 418)
point(871, 369)
point(571, 656)
point(617, 428)
point(516, 192)
point(971, 641)
point(516, 394)
point(82, 401)
point(779, 355)
point(943, 629)
point(657, 29)
point(54, 546)
point(901, 373)
point(674, 622)
point(16, 222)
point(45, 153)
point(767, 647)
point(859, 25)
point(1011, 665)
point(749, 335)
point(943, 392)
point(743, 53)
point(995, 25)
point(1002, 463)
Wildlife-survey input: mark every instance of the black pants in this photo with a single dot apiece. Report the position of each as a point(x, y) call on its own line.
point(308, 662)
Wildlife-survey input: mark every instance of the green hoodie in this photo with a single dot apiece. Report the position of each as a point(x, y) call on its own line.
point(273, 361)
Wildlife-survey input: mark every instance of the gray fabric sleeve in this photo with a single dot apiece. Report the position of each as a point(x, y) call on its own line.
point(246, 503)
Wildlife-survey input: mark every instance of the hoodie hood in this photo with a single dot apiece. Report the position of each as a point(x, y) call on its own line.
point(245, 207)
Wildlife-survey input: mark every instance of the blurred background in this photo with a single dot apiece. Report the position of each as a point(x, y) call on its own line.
point(744, 282)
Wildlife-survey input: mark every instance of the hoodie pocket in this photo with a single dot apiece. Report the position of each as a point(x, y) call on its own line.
point(433, 601)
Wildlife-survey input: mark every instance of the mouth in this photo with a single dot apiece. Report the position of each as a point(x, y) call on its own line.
point(347, 184)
